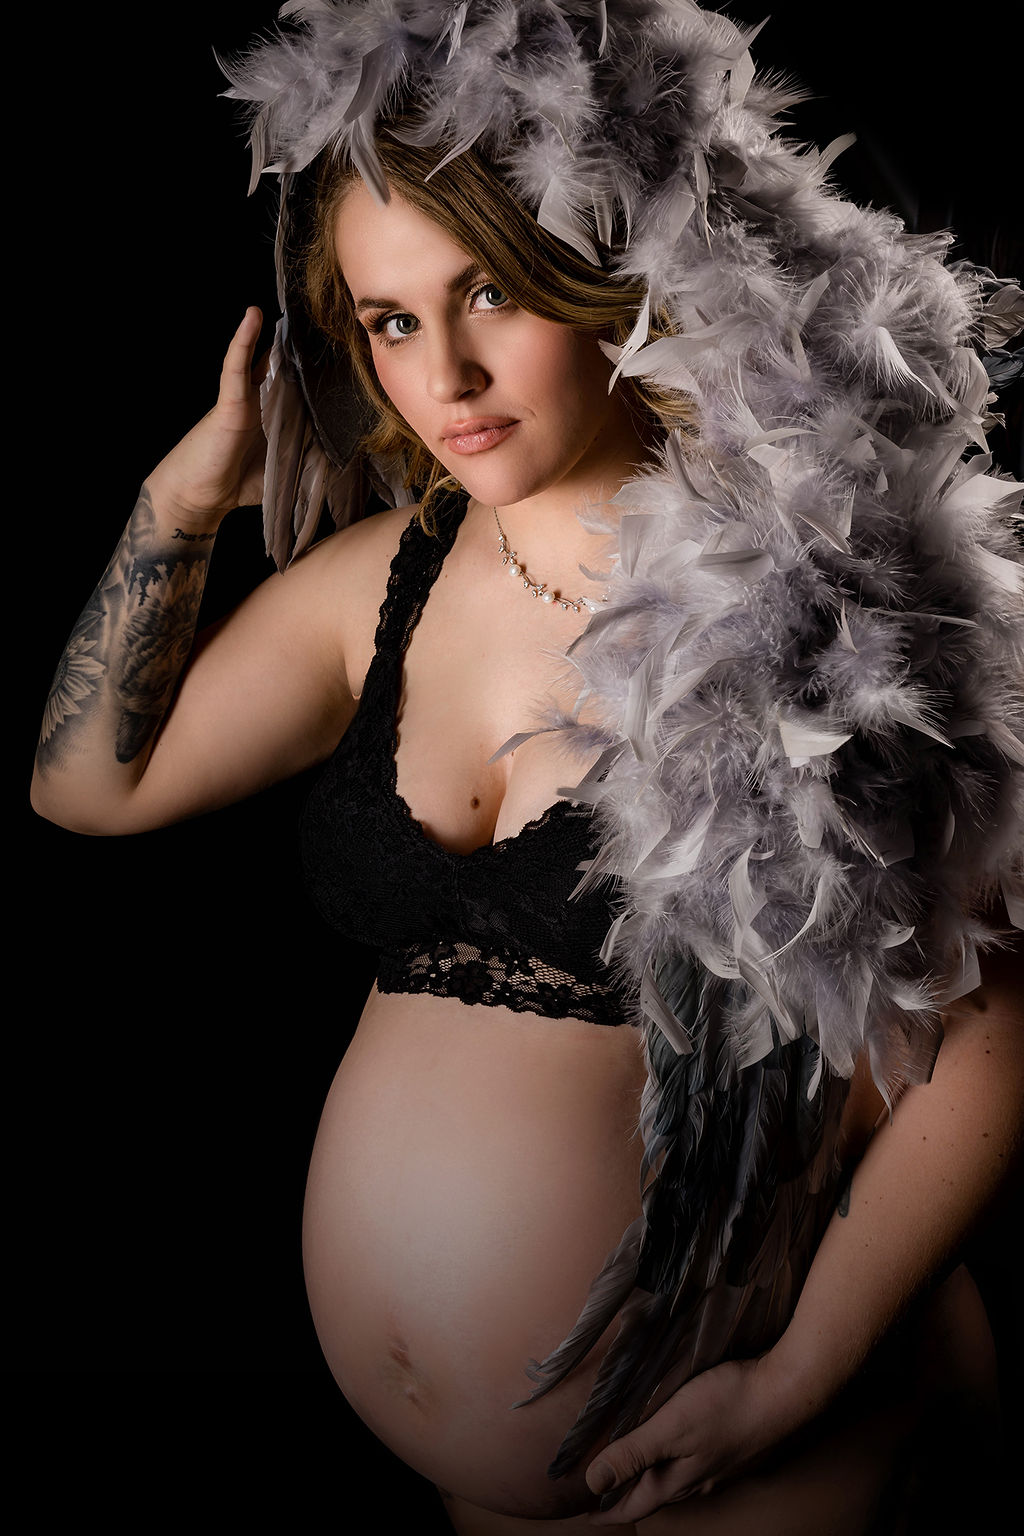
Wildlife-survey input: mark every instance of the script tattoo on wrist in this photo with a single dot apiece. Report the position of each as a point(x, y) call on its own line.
point(131, 640)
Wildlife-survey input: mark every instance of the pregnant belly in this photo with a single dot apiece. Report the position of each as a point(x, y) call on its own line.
point(472, 1171)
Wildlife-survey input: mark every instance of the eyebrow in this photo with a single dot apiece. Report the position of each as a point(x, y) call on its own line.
point(460, 280)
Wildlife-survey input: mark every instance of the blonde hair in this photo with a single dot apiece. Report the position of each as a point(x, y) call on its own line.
point(542, 275)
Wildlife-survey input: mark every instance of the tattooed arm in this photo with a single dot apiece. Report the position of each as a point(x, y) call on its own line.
point(139, 728)
point(121, 663)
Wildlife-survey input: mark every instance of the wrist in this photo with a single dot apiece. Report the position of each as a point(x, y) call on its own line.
point(175, 517)
point(805, 1371)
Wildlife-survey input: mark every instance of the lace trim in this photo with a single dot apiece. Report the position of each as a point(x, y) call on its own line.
point(498, 977)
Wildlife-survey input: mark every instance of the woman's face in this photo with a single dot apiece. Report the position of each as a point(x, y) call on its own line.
point(511, 404)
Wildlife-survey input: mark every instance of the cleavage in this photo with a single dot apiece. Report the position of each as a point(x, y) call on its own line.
point(457, 705)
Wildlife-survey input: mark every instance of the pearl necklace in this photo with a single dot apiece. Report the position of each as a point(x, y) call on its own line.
point(539, 588)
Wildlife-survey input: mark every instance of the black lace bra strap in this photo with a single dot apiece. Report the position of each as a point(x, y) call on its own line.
point(415, 568)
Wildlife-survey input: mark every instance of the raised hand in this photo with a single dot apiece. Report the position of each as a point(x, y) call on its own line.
point(117, 677)
point(219, 463)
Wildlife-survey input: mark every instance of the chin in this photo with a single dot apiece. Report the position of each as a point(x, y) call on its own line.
point(496, 486)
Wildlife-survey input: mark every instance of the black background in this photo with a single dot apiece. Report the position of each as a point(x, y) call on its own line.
point(178, 1010)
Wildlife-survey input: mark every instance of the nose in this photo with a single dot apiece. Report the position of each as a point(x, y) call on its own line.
point(454, 372)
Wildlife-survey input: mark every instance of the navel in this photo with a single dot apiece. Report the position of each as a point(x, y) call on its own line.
point(401, 1376)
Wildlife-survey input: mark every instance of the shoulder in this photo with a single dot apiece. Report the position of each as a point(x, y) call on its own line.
point(369, 541)
point(345, 563)
point(345, 577)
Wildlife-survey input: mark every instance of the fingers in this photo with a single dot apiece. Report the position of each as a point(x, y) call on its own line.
point(623, 1460)
point(623, 1475)
point(237, 375)
point(605, 1474)
point(661, 1485)
point(217, 465)
point(645, 1469)
point(707, 1429)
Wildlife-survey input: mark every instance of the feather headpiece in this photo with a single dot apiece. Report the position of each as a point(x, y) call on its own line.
point(809, 677)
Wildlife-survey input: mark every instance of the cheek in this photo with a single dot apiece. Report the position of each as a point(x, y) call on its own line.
point(571, 359)
point(395, 382)
point(572, 372)
point(379, 359)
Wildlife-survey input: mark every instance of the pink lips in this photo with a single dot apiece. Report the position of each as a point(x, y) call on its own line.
point(477, 435)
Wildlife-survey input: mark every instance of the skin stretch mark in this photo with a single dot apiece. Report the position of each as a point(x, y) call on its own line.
point(131, 640)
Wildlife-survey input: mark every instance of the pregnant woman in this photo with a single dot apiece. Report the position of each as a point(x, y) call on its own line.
point(668, 707)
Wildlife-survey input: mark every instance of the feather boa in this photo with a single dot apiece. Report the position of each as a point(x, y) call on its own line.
point(809, 677)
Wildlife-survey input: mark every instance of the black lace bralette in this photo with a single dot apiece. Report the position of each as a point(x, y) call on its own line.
point(493, 926)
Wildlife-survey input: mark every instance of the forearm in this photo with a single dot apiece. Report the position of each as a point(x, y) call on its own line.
point(924, 1183)
point(116, 678)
